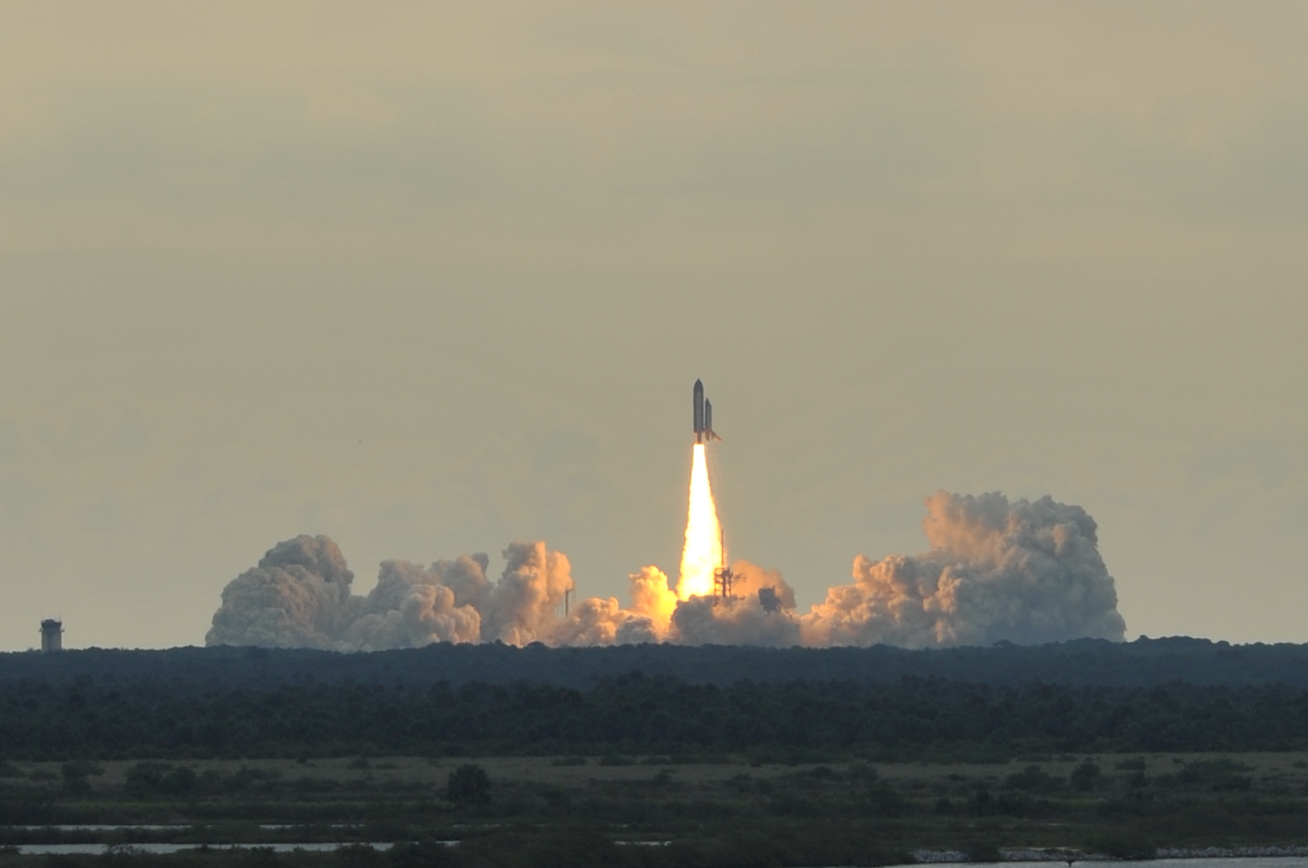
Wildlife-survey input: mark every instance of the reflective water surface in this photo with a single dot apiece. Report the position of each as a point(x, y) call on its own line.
point(1201, 862)
point(97, 849)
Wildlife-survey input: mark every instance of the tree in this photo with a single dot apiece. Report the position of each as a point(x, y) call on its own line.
point(468, 785)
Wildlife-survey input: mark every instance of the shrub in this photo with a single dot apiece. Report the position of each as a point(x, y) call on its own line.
point(1030, 778)
point(863, 771)
point(423, 854)
point(982, 851)
point(359, 856)
point(75, 774)
point(162, 777)
point(178, 781)
point(468, 785)
point(1125, 844)
point(568, 761)
point(1085, 776)
point(1232, 783)
point(886, 801)
point(570, 848)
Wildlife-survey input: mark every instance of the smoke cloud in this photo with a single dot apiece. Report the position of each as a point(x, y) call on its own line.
point(761, 611)
point(299, 597)
point(1021, 571)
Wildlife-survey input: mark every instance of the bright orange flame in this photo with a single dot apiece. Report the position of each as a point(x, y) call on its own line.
point(703, 552)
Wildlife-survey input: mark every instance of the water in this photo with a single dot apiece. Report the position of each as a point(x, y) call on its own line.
point(146, 827)
point(1200, 862)
point(91, 827)
point(328, 846)
point(98, 849)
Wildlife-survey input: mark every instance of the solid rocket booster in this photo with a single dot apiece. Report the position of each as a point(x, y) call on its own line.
point(703, 416)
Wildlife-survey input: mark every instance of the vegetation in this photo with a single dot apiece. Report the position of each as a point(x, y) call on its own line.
point(738, 811)
point(468, 785)
point(1142, 663)
point(646, 770)
point(913, 719)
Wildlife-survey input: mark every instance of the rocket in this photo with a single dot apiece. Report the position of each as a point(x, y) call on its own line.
point(704, 432)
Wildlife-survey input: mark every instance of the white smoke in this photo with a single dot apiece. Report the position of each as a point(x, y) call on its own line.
point(760, 611)
point(1021, 571)
point(299, 597)
point(292, 599)
point(413, 606)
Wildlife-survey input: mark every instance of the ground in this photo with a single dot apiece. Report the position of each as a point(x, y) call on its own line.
point(1123, 804)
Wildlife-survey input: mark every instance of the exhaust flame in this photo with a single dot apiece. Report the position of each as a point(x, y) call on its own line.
point(1018, 571)
point(703, 552)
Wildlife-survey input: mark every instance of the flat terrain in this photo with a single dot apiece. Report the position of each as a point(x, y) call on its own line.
point(1279, 773)
point(1052, 748)
point(1122, 804)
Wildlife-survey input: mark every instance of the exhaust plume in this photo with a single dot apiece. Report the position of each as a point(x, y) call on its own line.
point(292, 599)
point(702, 554)
point(761, 611)
point(1020, 571)
point(299, 597)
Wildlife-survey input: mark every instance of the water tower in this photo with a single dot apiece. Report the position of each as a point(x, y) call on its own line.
point(52, 636)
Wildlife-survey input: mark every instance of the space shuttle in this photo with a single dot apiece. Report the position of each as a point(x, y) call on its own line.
point(704, 432)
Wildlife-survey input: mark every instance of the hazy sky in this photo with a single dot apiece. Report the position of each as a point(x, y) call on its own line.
point(428, 278)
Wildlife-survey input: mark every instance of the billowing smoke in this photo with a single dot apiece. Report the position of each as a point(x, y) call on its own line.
point(299, 597)
point(293, 599)
point(1023, 572)
point(1018, 571)
point(761, 611)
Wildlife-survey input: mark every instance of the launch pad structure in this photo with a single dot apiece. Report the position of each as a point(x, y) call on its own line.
point(723, 578)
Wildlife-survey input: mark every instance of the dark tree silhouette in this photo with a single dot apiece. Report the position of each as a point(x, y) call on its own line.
point(468, 785)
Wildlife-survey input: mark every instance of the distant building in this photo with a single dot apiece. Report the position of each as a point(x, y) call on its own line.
point(52, 636)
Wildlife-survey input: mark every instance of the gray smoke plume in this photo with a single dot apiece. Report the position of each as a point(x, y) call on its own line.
point(1021, 571)
point(299, 597)
point(761, 611)
point(412, 606)
point(292, 599)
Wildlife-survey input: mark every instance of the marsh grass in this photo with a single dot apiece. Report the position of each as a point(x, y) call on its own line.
point(726, 812)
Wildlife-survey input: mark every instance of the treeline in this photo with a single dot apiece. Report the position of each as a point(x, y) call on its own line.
point(636, 715)
point(1144, 662)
